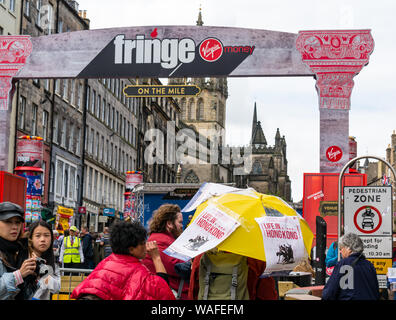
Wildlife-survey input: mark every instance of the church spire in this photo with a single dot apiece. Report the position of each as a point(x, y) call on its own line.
point(199, 21)
point(254, 119)
point(258, 136)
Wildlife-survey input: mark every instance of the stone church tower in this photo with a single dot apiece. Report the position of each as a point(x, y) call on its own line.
point(206, 112)
point(269, 164)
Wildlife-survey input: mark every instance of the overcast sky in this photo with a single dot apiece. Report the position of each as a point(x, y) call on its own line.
point(287, 103)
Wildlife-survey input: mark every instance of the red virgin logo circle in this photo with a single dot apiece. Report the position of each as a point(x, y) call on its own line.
point(334, 153)
point(211, 49)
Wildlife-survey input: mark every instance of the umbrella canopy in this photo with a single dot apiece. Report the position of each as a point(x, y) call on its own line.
point(246, 206)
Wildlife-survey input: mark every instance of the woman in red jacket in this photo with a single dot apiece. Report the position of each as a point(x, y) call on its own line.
point(122, 276)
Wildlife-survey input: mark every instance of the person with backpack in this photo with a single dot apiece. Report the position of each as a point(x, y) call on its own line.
point(219, 275)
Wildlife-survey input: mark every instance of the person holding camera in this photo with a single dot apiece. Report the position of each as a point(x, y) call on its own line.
point(122, 276)
point(41, 239)
point(15, 264)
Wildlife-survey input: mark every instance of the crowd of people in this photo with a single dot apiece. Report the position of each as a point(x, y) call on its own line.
point(128, 263)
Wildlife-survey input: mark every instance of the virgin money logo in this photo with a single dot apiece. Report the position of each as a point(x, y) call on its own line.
point(334, 154)
point(211, 49)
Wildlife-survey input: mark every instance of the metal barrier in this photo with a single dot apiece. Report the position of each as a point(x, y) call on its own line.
point(70, 278)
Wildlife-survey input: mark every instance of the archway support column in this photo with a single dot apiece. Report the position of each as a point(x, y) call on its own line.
point(335, 57)
point(13, 53)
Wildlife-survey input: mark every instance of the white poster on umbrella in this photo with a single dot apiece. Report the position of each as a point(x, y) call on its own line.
point(210, 228)
point(283, 242)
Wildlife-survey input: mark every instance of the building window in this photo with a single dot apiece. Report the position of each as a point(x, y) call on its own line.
point(98, 106)
point(103, 113)
point(21, 113)
point(93, 100)
point(71, 138)
point(89, 189)
point(112, 118)
point(60, 26)
point(45, 125)
point(47, 84)
point(34, 119)
point(55, 129)
point(63, 133)
point(59, 177)
point(65, 89)
point(27, 8)
point(12, 5)
point(115, 158)
point(97, 145)
point(107, 152)
point(95, 183)
point(38, 7)
point(102, 150)
point(108, 111)
point(65, 177)
point(72, 184)
point(50, 19)
point(57, 87)
point(73, 86)
point(100, 200)
point(88, 94)
point(200, 110)
point(78, 141)
point(79, 92)
point(90, 141)
point(52, 177)
point(111, 155)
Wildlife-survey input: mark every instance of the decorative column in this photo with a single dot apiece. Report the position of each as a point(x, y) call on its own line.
point(335, 57)
point(13, 53)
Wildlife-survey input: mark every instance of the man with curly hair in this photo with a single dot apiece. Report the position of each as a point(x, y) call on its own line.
point(165, 226)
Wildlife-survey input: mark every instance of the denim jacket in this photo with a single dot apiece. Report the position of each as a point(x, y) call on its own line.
point(8, 287)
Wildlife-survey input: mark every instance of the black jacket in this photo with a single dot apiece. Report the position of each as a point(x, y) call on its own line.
point(87, 246)
point(364, 285)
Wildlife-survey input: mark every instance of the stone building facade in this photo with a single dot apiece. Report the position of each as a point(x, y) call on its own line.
point(269, 164)
point(110, 147)
point(53, 108)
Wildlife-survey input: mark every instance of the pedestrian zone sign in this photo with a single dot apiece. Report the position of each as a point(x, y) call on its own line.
point(368, 213)
point(368, 210)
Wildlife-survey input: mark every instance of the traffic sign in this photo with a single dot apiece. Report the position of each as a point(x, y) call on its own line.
point(368, 213)
point(368, 210)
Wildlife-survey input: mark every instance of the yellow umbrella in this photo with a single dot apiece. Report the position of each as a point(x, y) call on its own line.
point(247, 239)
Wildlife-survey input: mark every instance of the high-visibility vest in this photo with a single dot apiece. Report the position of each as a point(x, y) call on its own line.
point(71, 253)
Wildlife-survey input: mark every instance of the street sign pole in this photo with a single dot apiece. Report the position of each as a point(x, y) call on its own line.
point(351, 162)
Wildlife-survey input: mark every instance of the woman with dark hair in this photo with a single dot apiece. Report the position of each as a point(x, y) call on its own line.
point(41, 239)
point(122, 276)
point(15, 266)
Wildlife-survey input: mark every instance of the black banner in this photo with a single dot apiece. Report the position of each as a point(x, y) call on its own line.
point(165, 58)
point(161, 91)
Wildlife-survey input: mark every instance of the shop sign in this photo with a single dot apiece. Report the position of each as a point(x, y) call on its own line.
point(109, 212)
